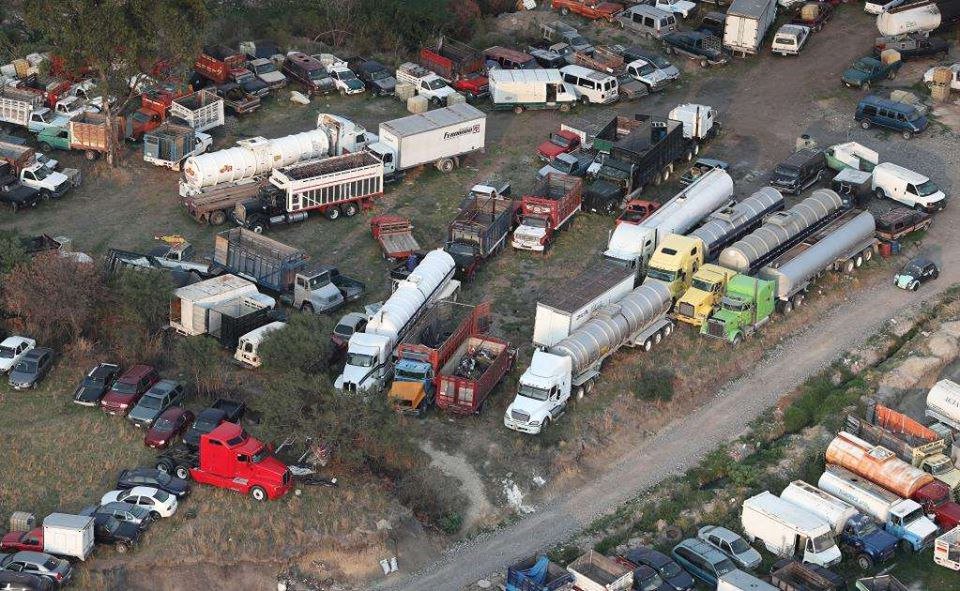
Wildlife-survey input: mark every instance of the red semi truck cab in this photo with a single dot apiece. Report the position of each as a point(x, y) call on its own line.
point(935, 499)
point(459, 64)
point(230, 458)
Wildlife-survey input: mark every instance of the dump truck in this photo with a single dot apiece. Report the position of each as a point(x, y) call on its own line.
point(781, 231)
point(567, 304)
point(746, 305)
point(790, 575)
point(21, 108)
point(546, 210)
point(842, 245)
point(284, 270)
point(572, 366)
point(460, 65)
point(480, 229)
point(170, 144)
point(946, 549)
point(340, 186)
point(86, 132)
point(201, 110)
point(632, 245)
point(472, 372)
point(427, 347)
point(219, 64)
point(440, 137)
point(154, 106)
point(595, 572)
point(370, 353)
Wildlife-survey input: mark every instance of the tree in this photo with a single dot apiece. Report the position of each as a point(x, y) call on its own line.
point(302, 345)
point(53, 297)
point(114, 40)
point(143, 297)
point(200, 358)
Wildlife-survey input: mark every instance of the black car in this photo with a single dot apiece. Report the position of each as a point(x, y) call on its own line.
point(123, 535)
point(95, 384)
point(13, 193)
point(208, 420)
point(255, 86)
point(800, 170)
point(668, 569)
point(646, 578)
point(155, 478)
point(11, 581)
point(31, 368)
point(375, 76)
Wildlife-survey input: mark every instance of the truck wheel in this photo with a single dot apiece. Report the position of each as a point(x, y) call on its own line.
point(45, 195)
point(787, 308)
point(350, 209)
point(858, 262)
point(880, 193)
point(622, 25)
point(518, 109)
point(704, 63)
point(657, 338)
point(589, 385)
point(737, 339)
point(306, 307)
point(218, 218)
point(90, 155)
point(648, 344)
point(14, 207)
point(866, 86)
point(797, 301)
point(848, 266)
point(565, 108)
point(446, 165)
point(258, 493)
point(865, 124)
point(915, 285)
point(667, 330)
point(864, 562)
point(45, 147)
point(154, 516)
point(183, 473)
point(164, 466)
point(867, 254)
point(121, 547)
point(564, 11)
point(332, 213)
point(580, 393)
point(907, 135)
point(545, 424)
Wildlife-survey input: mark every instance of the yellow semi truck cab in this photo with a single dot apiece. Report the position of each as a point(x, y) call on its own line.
point(675, 261)
point(706, 290)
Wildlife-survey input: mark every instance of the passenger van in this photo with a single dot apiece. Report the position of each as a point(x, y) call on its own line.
point(648, 20)
point(248, 347)
point(909, 188)
point(591, 86)
point(509, 59)
point(873, 110)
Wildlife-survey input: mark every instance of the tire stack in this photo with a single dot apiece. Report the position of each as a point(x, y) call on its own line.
point(940, 86)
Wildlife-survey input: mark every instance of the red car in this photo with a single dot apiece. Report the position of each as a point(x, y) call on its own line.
point(128, 389)
point(168, 427)
point(560, 142)
point(23, 541)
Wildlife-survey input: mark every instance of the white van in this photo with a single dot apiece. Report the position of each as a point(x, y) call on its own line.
point(648, 20)
point(908, 187)
point(788, 531)
point(530, 89)
point(248, 346)
point(591, 86)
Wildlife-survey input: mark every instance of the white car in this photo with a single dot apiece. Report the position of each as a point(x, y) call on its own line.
point(790, 39)
point(158, 502)
point(12, 349)
point(681, 7)
point(954, 82)
point(346, 81)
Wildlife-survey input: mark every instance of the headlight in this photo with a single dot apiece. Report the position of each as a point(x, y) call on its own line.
point(534, 423)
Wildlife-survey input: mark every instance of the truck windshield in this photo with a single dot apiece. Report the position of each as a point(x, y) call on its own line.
point(868, 527)
point(151, 402)
point(563, 165)
point(941, 467)
point(259, 455)
point(379, 75)
point(645, 70)
point(360, 359)
point(733, 304)
point(462, 249)
point(559, 140)
point(823, 542)
point(318, 281)
point(411, 375)
point(661, 275)
point(437, 85)
point(612, 173)
point(534, 222)
point(702, 285)
point(788, 172)
point(533, 392)
point(927, 188)
point(41, 172)
point(264, 68)
point(913, 516)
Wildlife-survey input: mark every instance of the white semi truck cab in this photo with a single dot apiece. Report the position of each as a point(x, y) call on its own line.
point(49, 182)
point(542, 393)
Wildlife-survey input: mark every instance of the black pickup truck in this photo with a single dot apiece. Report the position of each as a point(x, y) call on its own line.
point(13, 193)
point(696, 45)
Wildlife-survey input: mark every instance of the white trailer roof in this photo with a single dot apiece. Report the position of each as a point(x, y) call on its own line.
point(537, 75)
point(66, 521)
point(787, 513)
point(420, 123)
point(212, 287)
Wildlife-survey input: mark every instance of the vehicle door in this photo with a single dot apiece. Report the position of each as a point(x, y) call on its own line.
point(910, 194)
point(176, 396)
point(145, 502)
point(556, 405)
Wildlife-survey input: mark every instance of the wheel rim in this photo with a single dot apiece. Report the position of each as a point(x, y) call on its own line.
point(865, 125)
point(333, 213)
point(182, 473)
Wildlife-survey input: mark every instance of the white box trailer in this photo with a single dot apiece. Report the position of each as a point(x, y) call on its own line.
point(201, 110)
point(822, 504)
point(946, 549)
point(569, 304)
point(943, 403)
point(747, 23)
point(190, 306)
point(530, 89)
point(739, 580)
point(788, 531)
point(68, 535)
point(439, 137)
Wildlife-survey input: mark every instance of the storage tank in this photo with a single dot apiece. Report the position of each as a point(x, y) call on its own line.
point(779, 231)
point(877, 464)
point(411, 294)
point(691, 205)
point(614, 323)
point(798, 270)
point(866, 496)
point(252, 157)
point(824, 505)
point(918, 17)
point(943, 402)
point(731, 223)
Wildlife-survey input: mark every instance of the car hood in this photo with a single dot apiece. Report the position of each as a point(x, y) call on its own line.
point(87, 393)
point(20, 377)
point(140, 413)
point(854, 75)
point(128, 531)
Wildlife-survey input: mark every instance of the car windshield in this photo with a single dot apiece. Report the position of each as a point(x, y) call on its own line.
point(926, 189)
point(461, 249)
point(670, 570)
point(532, 392)
point(164, 424)
point(7, 352)
point(125, 387)
point(111, 524)
point(823, 542)
point(652, 583)
point(863, 66)
point(379, 75)
point(913, 269)
point(646, 70)
point(206, 424)
point(347, 75)
point(436, 84)
point(535, 222)
point(702, 285)
point(360, 359)
point(26, 366)
point(343, 330)
point(151, 402)
point(92, 382)
point(660, 274)
point(725, 566)
point(559, 140)
point(941, 467)
point(739, 546)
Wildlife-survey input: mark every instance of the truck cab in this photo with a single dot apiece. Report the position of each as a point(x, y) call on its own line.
point(908, 522)
point(870, 544)
point(542, 393)
point(230, 458)
point(43, 118)
point(413, 389)
point(368, 364)
point(323, 289)
point(675, 261)
point(747, 304)
point(425, 82)
point(707, 289)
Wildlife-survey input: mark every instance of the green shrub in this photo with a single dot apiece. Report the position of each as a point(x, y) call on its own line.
point(656, 385)
point(303, 345)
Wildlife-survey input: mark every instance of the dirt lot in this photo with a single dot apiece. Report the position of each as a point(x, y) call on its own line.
point(766, 104)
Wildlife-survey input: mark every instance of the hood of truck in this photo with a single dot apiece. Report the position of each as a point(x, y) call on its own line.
point(54, 179)
point(388, 84)
point(599, 191)
point(535, 409)
point(922, 528)
point(529, 234)
point(549, 149)
point(880, 541)
point(271, 469)
point(626, 242)
point(275, 77)
point(410, 393)
point(700, 301)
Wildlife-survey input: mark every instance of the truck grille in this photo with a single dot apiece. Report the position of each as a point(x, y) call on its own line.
point(715, 328)
point(685, 309)
point(519, 416)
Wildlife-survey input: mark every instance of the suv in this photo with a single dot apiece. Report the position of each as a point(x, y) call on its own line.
point(160, 397)
point(378, 79)
point(702, 560)
point(669, 570)
point(800, 170)
point(308, 71)
point(873, 110)
point(128, 389)
point(731, 544)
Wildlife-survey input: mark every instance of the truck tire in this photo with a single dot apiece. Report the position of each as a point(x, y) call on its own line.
point(258, 225)
point(914, 285)
point(858, 262)
point(154, 516)
point(218, 217)
point(880, 193)
point(258, 494)
point(864, 562)
point(849, 266)
point(797, 300)
point(589, 385)
point(667, 330)
point(332, 213)
point(907, 135)
point(306, 307)
point(704, 63)
point(350, 209)
point(14, 207)
point(90, 155)
point(518, 109)
point(183, 472)
point(446, 165)
point(648, 344)
point(565, 108)
point(580, 392)
point(564, 11)
point(45, 147)
point(121, 547)
point(865, 124)
point(737, 339)
point(45, 195)
point(165, 466)
point(546, 423)
point(786, 308)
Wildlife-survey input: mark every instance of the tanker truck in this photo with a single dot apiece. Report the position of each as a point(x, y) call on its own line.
point(918, 17)
point(572, 366)
point(632, 245)
point(370, 353)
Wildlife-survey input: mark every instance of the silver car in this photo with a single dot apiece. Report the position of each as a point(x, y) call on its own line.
point(731, 544)
point(40, 564)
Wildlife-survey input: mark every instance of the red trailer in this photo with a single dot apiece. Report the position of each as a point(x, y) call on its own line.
point(395, 235)
point(216, 63)
point(476, 368)
point(459, 64)
point(545, 211)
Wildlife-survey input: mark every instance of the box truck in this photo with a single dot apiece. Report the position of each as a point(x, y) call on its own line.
point(170, 144)
point(747, 23)
point(788, 531)
point(190, 305)
point(520, 90)
point(440, 137)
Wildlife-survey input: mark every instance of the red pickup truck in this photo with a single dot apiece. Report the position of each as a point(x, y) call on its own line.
point(591, 9)
point(459, 65)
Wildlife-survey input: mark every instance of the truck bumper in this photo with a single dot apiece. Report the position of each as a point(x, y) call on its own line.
point(514, 425)
point(533, 247)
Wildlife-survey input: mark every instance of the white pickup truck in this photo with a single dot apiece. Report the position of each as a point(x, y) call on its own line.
point(425, 82)
point(50, 183)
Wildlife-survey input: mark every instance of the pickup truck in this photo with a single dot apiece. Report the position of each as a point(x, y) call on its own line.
point(591, 9)
point(900, 221)
point(578, 164)
point(237, 100)
point(37, 176)
point(704, 48)
point(16, 195)
point(177, 257)
point(867, 70)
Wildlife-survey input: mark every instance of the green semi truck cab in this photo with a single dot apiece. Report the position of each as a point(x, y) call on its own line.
point(746, 305)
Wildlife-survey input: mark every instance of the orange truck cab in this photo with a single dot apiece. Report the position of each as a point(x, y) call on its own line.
point(230, 458)
point(636, 211)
